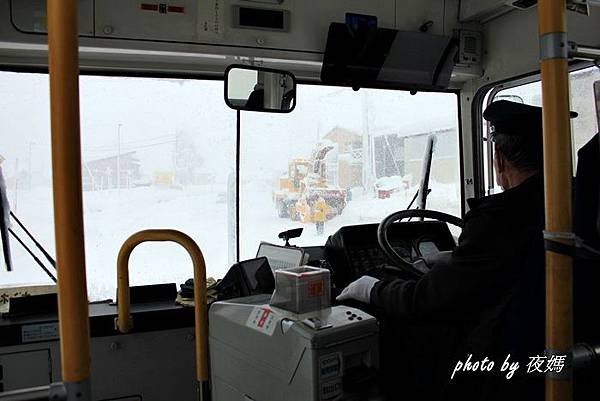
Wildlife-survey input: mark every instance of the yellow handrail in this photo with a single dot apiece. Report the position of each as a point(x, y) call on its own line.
point(63, 63)
point(557, 178)
point(124, 321)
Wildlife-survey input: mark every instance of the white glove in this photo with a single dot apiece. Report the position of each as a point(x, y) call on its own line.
point(359, 290)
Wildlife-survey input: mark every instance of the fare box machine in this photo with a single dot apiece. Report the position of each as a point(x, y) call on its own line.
point(292, 345)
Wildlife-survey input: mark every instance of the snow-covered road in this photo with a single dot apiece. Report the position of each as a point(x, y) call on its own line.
point(111, 216)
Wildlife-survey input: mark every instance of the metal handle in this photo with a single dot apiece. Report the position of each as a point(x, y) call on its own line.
point(124, 321)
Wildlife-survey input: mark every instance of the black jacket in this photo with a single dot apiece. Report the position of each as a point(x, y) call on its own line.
point(492, 289)
point(498, 234)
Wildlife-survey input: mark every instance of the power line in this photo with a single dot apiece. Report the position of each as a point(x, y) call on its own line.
point(126, 143)
point(134, 148)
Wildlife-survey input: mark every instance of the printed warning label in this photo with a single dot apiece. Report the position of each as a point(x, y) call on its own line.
point(262, 319)
point(39, 332)
point(210, 18)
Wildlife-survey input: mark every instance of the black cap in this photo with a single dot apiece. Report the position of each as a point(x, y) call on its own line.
point(513, 118)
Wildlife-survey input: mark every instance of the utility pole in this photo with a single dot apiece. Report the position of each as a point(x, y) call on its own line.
point(175, 158)
point(119, 158)
point(367, 162)
point(15, 203)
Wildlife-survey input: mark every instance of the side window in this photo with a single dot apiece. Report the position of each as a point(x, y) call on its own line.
point(583, 128)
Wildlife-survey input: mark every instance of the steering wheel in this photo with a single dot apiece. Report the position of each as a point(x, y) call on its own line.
point(415, 269)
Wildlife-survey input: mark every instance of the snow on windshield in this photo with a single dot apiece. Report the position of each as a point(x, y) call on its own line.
point(160, 153)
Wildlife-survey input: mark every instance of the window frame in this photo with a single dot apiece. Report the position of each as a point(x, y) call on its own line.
point(481, 147)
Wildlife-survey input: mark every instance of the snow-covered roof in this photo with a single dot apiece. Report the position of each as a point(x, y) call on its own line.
point(111, 156)
point(408, 132)
point(342, 135)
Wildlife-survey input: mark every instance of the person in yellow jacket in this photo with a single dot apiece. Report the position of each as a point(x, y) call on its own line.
point(303, 210)
point(321, 209)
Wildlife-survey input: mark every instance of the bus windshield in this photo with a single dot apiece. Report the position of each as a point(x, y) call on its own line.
point(160, 153)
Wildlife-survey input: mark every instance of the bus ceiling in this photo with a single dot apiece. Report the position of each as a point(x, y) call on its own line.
point(497, 38)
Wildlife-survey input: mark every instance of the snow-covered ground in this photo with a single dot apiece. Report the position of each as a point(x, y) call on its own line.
point(263, 223)
point(111, 216)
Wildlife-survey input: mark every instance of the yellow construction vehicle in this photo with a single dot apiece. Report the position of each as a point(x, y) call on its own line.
point(303, 183)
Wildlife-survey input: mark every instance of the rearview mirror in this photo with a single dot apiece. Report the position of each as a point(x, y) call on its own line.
point(259, 89)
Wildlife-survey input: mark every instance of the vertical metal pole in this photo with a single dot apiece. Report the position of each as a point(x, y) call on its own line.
point(63, 60)
point(238, 179)
point(557, 175)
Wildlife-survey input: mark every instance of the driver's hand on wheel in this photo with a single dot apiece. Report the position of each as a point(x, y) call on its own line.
point(359, 290)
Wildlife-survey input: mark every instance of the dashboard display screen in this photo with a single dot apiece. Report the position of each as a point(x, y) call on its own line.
point(427, 248)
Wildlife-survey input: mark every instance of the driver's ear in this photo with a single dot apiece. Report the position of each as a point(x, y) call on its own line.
point(499, 161)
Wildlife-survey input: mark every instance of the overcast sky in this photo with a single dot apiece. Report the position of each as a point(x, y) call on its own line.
point(151, 111)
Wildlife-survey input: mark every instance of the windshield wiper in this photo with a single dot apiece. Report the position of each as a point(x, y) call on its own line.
point(425, 173)
point(35, 258)
point(37, 244)
point(415, 198)
point(424, 190)
point(5, 230)
point(4, 220)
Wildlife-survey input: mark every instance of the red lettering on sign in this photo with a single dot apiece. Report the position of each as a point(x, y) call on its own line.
point(149, 7)
point(264, 317)
point(162, 8)
point(176, 9)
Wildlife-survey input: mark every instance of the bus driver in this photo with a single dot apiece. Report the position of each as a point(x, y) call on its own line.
point(500, 246)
